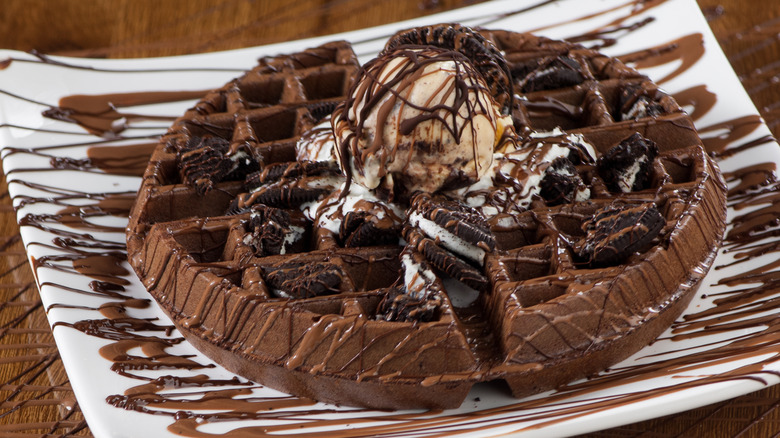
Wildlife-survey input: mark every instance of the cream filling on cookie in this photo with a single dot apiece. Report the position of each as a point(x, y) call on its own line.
point(533, 168)
point(583, 193)
point(416, 279)
point(290, 238)
point(628, 177)
point(585, 146)
point(475, 195)
point(543, 134)
point(329, 212)
point(449, 240)
point(312, 182)
point(293, 236)
point(577, 140)
point(281, 294)
point(637, 111)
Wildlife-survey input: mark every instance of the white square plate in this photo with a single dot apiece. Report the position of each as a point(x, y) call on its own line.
point(692, 365)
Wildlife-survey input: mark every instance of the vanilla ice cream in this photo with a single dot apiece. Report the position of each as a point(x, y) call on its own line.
point(418, 119)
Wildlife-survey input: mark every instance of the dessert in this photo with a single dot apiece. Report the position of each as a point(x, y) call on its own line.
point(470, 206)
point(420, 117)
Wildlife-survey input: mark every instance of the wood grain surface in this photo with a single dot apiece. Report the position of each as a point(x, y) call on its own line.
point(35, 397)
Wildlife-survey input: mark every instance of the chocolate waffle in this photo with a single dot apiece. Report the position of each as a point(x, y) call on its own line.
point(246, 234)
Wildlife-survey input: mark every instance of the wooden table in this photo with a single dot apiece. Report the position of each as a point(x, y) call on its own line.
point(35, 396)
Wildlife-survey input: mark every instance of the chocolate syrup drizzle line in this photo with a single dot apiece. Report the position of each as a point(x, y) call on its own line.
point(603, 33)
point(102, 119)
point(600, 34)
point(25, 99)
point(60, 201)
point(47, 131)
point(10, 150)
point(31, 388)
point(398, 430)
point(45, 59)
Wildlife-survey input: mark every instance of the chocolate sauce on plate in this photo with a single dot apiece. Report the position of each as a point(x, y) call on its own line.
point(191, 399)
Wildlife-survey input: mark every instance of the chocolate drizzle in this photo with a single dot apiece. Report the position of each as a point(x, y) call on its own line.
point(688, 49)
point(100, 115)
point(385, 92)
point(208, 400)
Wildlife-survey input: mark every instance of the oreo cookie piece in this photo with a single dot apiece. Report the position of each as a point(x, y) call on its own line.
point(614, 233)
point(285, 193)
point(296, 279)
point(443, 260)
point(551, 73)
point(626, 166)
point(581, 152)
point(205, 161)
point(562, 183)
point(320, 110)
point(273, 231)
point(484, 55)
point(363, 228)
point(454, 225)
point(275, 172)
point(421, 295)
point(401, 307)
point(635, 103)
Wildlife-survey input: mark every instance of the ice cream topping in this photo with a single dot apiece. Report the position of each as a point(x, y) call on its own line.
point(420, 119)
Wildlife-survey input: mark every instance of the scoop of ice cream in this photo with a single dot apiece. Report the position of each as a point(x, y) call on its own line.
point(419, 119)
